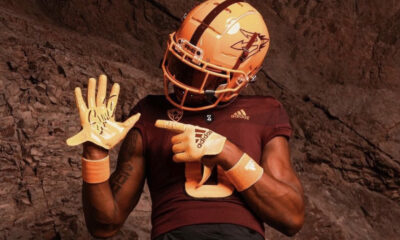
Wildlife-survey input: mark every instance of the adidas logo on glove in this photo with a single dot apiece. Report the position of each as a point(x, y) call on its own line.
point(201, 136)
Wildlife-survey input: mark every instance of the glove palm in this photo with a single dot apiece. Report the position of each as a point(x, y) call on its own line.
point(98, 119)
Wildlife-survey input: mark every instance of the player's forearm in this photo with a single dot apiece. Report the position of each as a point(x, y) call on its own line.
point(275, 202)
point(100, 209)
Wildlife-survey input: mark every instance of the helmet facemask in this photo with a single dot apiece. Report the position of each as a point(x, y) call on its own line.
point(184, 67)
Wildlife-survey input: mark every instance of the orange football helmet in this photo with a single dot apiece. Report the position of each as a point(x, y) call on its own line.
point(218, 50)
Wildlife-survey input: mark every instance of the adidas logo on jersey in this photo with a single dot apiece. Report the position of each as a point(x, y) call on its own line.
point(201, 136)
point(240, 114)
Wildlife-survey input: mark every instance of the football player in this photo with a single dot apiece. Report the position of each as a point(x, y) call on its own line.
point(217, 163)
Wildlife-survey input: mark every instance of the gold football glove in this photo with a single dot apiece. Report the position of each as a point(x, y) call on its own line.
point(98, 119)
point(192, 143)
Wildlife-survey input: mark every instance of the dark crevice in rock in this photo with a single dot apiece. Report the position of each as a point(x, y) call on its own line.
point(33, 80)
point(61, 71)
point(279, 85)
point(21, 145)
point(48, 207)
point(11, 67)
point(164, 9)
point(332, 117)
point(28, 193)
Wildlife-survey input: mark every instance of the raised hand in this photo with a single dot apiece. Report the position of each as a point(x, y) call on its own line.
point(192, 143)
point(98, 117)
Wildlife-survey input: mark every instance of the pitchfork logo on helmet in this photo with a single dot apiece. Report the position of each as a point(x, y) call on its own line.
point(256, 47)
point(219, 47)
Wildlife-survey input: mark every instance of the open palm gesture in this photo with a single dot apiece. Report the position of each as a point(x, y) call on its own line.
point(98, 118)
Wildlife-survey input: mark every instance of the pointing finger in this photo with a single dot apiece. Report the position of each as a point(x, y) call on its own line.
point(171, 125)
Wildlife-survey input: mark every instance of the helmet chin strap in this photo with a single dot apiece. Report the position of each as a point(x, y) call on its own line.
point(210, 95)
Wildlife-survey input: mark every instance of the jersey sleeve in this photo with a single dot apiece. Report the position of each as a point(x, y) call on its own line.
point(279, 125)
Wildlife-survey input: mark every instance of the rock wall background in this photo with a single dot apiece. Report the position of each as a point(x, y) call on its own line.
point(335, 65)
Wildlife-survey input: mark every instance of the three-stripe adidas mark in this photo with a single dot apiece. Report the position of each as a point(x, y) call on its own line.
point(240, 114)
point(201, 136)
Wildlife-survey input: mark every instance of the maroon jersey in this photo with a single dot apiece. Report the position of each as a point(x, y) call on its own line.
point(249, 122)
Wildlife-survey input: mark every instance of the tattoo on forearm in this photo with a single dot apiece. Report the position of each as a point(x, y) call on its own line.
point(120, 178)
point(125, 164)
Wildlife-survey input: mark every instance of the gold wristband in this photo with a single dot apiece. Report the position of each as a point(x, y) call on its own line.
point(245, 173)
point(96, 171)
